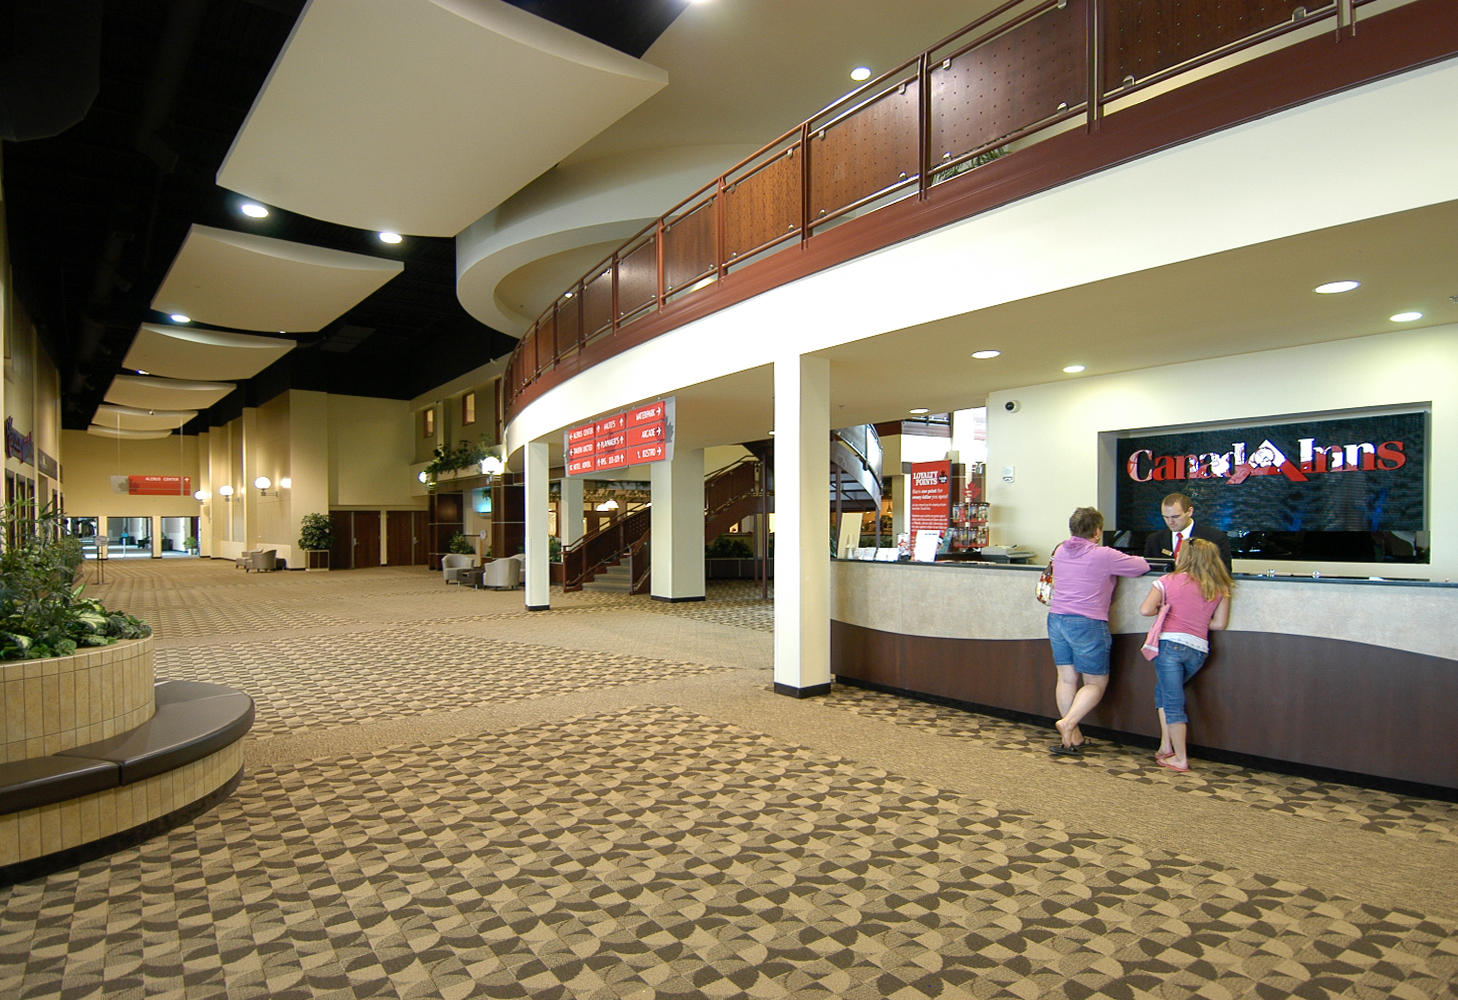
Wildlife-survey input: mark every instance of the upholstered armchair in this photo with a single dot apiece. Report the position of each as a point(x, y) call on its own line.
point(453, 566)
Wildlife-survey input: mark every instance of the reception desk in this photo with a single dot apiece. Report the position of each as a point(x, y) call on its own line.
point(1347, 675)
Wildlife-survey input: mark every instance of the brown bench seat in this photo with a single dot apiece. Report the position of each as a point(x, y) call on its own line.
point(192, 721)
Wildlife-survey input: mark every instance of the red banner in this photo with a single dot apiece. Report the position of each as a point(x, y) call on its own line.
point(159, 486)
point(931, 496)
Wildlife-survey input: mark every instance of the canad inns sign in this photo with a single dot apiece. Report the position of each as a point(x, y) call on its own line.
point(1356, 474)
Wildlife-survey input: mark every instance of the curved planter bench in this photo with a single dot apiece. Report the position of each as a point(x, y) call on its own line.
point(85, 799)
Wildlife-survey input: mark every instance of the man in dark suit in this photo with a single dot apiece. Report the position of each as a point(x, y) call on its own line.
point(1178, 512)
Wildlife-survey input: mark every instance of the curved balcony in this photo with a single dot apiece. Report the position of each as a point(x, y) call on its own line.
point(1033, 95)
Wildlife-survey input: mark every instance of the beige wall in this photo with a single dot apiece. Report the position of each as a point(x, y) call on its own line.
point(371, 447)
point(91, 461)
point(1052, 441)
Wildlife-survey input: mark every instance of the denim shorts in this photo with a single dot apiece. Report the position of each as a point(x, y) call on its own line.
point(1083, 642)
point(1173, 668)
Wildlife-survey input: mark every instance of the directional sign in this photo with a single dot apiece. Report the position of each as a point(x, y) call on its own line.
point(638, 436)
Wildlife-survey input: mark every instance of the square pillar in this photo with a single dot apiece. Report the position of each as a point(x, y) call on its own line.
point(678, 527)
point(802, 541)
point(900, 505)
point(156, 537)
point(569, 521)
point(538, 578)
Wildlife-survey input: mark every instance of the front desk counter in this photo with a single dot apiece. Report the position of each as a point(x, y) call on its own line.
point(1352, 676)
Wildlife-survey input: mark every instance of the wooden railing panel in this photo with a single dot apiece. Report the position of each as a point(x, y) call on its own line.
point(872, 149)
point(597, 303)
point(691, 246)
point(1009, 83)
point(569, 316)
point(546, 341)
point(763, 206)
point(1145, 37)
point(638, 277)
point(729, 484)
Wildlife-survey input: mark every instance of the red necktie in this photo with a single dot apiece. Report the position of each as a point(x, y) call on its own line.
point(1178, 540)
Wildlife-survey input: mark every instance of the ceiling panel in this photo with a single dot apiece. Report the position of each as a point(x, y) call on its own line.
point(129, 418)
point(123, 434)
point(209, 355)
point(150, 393)
point(251, 282)
point(419, 116)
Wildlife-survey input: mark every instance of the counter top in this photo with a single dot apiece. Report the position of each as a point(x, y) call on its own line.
point(1239, 577)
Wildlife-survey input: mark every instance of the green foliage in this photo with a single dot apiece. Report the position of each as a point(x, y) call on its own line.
point(728, 547)
point(190, 543)
point(462, 456)
point(461, 545)
point(42, 612)
point(554, 549)
point(316, 532)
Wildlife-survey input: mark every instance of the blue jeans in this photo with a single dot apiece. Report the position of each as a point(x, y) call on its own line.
point(1173, 668)
point(1083, 642)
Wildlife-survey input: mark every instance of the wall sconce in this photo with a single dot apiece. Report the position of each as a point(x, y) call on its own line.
point(285, 483)
point(607, 505)
point(202, 496)
point(492, 466)
point(423, 477)
point(263, 483)
point(226, 492)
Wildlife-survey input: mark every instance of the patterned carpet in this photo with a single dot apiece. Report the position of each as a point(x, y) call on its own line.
point(650, 851)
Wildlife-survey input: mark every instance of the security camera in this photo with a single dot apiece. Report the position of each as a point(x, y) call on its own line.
point(1012, 406)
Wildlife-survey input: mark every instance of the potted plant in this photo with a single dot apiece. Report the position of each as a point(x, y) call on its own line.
point(190, 544)
point(461, 545)
point(316, 538)
point(42, 612)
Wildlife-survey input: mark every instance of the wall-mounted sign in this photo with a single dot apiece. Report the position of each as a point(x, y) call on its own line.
point(46, 465)
point(18, 445)
point(638, 436)
point(159, 486)
point(931, 496)
point(1352, 474)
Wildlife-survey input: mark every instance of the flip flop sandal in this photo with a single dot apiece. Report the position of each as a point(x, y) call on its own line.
point(1177, 770)
point(1162, 756)
point(1059, 750)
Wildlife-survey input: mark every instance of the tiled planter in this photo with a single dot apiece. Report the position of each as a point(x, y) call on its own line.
point(65, 701)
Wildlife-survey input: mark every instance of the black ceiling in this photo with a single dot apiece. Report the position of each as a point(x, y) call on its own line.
point(97, 212)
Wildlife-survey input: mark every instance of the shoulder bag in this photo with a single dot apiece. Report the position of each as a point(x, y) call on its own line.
point(1044, 591)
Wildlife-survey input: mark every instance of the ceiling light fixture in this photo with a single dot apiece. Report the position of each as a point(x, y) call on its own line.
point(180, 318)
point(140, 372)
point(253, 210)
point(919, 410)
point(984, 355)
point(1336, 287)
point(1074, 369)
point(388, 237)
point(1406, 317)
point(861, 73)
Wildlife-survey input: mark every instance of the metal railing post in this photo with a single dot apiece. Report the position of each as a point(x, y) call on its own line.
point(1094, 29)
point(924, 129)
point(804, 182)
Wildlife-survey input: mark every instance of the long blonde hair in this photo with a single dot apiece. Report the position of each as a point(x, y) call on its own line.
point(1200, 561)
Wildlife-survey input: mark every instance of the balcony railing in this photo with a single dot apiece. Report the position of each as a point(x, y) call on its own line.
point(1026, 72)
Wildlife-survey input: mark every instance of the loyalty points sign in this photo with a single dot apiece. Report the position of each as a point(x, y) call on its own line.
point(637, 436)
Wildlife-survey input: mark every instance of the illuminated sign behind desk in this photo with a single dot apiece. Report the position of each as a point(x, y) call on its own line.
point(1358, 474)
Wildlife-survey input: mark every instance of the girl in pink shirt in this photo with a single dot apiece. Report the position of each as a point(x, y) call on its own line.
point(1198, 595)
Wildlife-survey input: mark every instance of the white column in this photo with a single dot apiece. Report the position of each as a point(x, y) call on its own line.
point(569, 520)
point(802, 518)
point(678, 527)
point(900, 504)
point(156, 537)
point(538, 580)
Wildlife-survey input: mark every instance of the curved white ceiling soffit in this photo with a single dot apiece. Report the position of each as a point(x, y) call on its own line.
point(251, 282)
point(606, 200)
point(419, 116)
point(100, 430)
point(130, 418)
point(148, 393)
point(205, 355)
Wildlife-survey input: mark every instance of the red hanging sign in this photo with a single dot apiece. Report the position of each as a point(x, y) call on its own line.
point(638, 436)
point(931, 496)
point(159, 486)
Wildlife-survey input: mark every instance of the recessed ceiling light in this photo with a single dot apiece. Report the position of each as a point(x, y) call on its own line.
point(984, 355)
point(771, 433)
point(1074, 369)
point(1336, 287)
point(140, 372)
point(566, 295)
point(861, 73)
point(253, 210)
point(1406, 317)
point(920, 409)
point(390, 237)
point(180, 318)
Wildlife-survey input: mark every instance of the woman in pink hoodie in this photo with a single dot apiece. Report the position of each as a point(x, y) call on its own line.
point(1084, 574)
